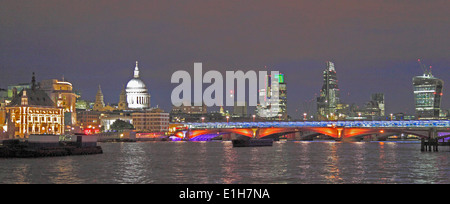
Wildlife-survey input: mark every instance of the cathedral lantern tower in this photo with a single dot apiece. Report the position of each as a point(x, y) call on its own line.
point(99, 103)
point(123, 105)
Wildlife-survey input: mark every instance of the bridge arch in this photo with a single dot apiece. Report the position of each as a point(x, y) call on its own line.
point(195, 133)
point(334, 132)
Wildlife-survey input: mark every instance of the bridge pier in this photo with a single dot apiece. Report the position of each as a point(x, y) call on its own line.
point(298, 136)
point(186, 134)
point(233, 136)
point(256, 133)
point(429, 145)
point(226, 136)
point(374, 137)
point(432, 143)
point(340, 134)
point(432, 133)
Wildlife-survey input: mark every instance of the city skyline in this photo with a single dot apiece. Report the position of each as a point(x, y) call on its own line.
point(374, 46)
point(224, 92)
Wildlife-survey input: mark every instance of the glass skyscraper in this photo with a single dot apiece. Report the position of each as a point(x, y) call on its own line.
point(278, 105)
point(427, 95)
point(329, 94)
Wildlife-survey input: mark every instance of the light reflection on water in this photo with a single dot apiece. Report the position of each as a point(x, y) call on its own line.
point(219, 162)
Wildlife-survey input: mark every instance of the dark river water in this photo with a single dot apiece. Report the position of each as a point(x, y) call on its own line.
point(219, 162)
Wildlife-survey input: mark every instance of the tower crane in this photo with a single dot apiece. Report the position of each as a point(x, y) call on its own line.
point(426, 71)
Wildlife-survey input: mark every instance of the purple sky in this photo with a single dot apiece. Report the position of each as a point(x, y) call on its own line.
point(374, 44)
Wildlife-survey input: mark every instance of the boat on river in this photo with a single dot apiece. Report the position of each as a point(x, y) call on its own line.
point(49, 146)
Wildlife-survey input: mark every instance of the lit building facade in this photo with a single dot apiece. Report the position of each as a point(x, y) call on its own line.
point(62, 92)
point(274, 94)
point(86, 118)
point(33, 112)
point(427, 95)
point(328, 100)
point(151, 121)
point(3, 123)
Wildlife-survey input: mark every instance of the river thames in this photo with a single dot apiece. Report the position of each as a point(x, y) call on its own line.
point(220, 163)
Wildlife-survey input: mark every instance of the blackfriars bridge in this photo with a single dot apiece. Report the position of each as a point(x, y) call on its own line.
point(306, 130)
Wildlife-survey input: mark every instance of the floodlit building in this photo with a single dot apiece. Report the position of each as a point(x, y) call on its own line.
point(427, 94)
point(137, 93)
point(62, 92)
point(276, 97)
point(155, 120)
point(88, 119)
point(33, 112)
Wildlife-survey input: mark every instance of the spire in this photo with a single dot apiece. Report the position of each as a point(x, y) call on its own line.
point(99, 91)
point(136, 71)
point(123, 95)
point(33, 82)
point(99, 103)
point(123, 99)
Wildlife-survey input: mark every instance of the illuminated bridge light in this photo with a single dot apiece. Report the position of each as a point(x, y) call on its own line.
point(361, 124)
point(336, 129)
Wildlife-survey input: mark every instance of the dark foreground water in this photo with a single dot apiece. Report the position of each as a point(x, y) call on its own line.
point(219, 162)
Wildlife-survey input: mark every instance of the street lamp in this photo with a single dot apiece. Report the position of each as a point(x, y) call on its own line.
point(254, 116)
point(304, 116)
point(203, 119)
point(392, 115)
point(228, 117)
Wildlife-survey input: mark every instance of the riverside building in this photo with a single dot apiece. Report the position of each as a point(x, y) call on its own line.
point(154, 120)
point(33, 112)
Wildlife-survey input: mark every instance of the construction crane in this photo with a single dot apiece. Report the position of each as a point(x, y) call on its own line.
point(426, 71)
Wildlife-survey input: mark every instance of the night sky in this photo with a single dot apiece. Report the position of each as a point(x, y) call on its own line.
point(374, 44)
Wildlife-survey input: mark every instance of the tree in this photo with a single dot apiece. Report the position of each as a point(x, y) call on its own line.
point(121, 125)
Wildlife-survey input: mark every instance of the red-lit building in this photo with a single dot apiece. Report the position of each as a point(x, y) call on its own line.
point(88, 122)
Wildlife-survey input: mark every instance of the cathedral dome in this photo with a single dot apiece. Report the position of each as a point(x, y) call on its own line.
point(137, 93)
point(136, 84)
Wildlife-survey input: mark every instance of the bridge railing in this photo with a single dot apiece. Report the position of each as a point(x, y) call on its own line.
point(361, 124)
